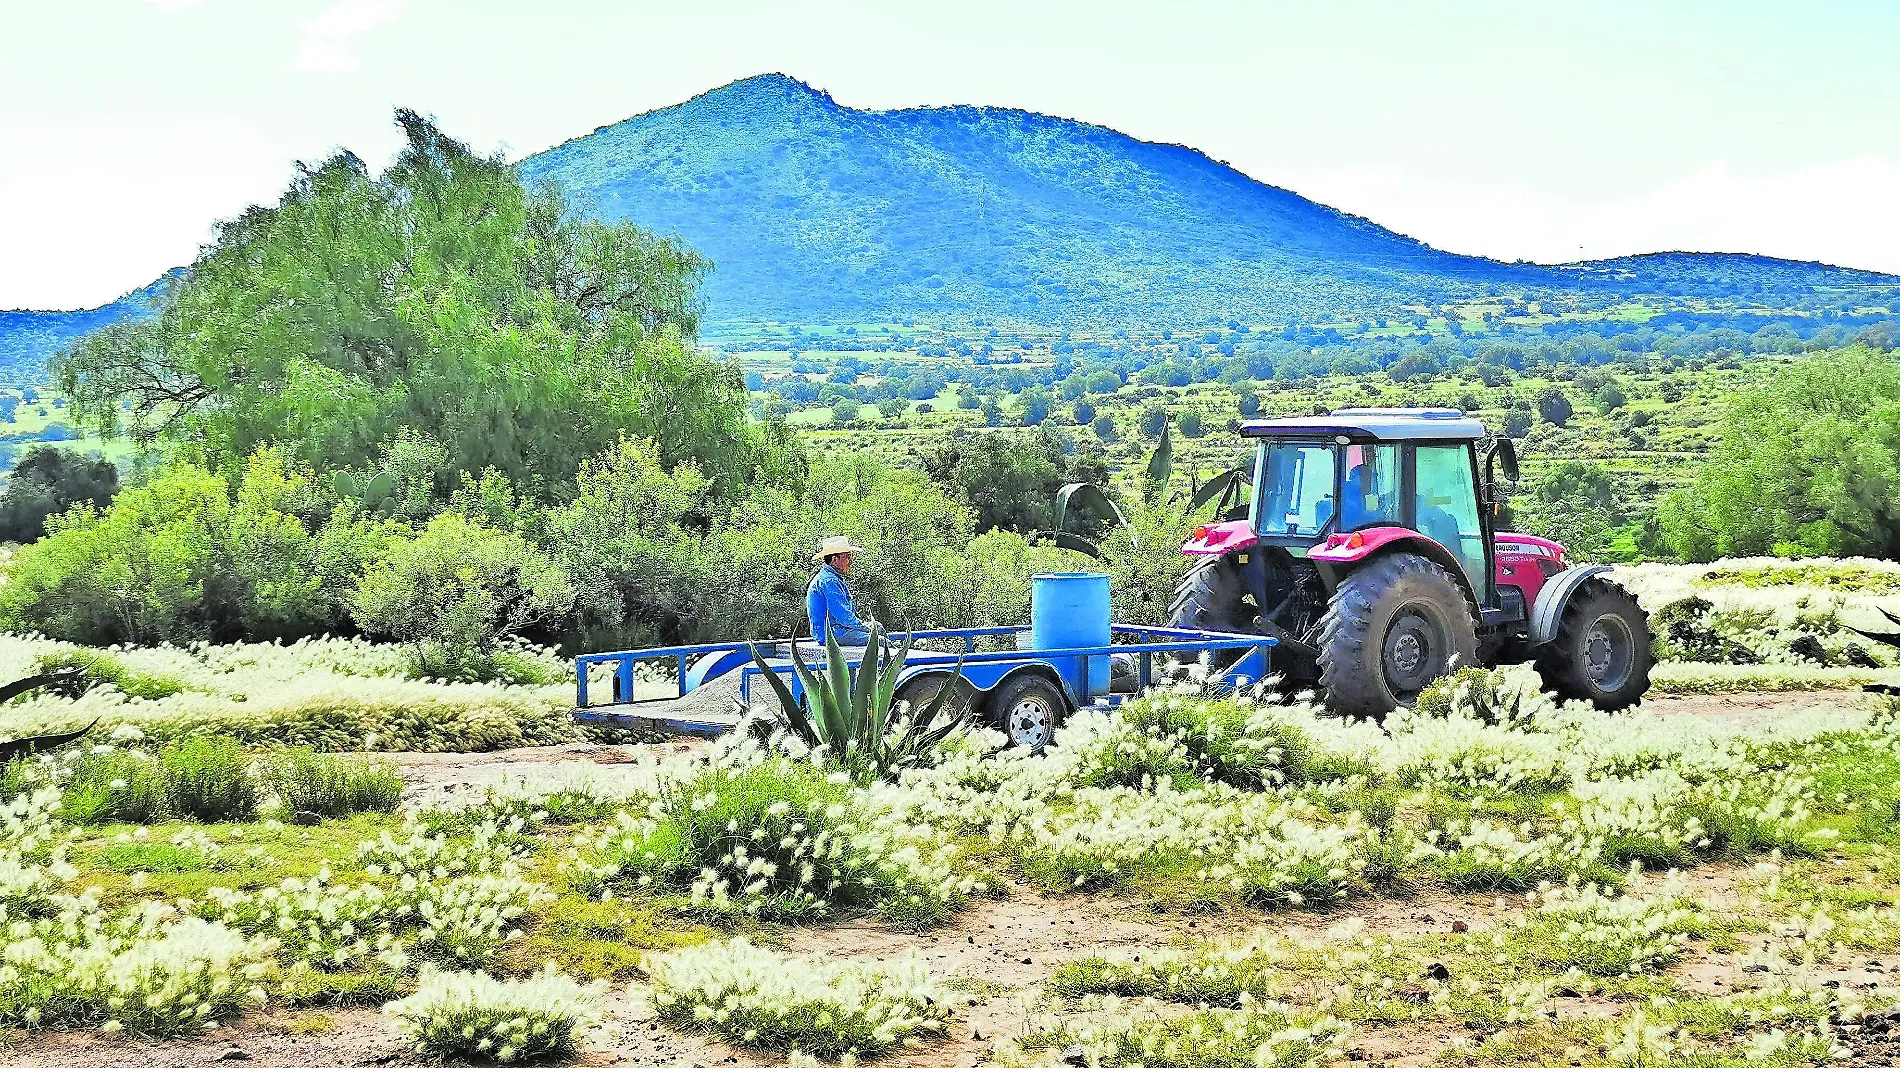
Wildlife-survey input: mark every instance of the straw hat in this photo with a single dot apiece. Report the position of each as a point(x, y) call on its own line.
point(833, 545)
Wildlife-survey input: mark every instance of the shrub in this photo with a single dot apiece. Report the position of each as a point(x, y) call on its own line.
point(456, 590)
point(132, 975)
point(101, 668)
point(777, 841)
point(114, 786)
point(308, 781)
point(208, 780)
point(474, 1015)
point(1252, 1037)
point(1227, 740)
point(819, 1006)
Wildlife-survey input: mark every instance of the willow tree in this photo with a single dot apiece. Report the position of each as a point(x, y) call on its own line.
point(443, 297)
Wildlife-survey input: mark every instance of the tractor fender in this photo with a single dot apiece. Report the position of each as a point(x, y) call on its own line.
point(1340, 552)
point(1555, 596)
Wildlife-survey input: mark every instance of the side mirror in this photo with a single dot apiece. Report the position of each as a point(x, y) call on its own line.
point(1506, 452)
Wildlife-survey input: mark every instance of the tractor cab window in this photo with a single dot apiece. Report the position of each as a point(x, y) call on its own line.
point(1369, 495)
point(1296, 489)
point(1446, 506)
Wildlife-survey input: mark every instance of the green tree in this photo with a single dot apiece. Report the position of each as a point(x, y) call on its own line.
point(1808, 464)
point(1009, 478)
point(46, 482)
point(1153, 419)
point(1554, 406)
point(441, 296)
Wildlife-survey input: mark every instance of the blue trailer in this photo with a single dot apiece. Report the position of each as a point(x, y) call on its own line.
point(1069, 657)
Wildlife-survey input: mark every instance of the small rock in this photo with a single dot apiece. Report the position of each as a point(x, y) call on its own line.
point(235, 1053)
point(1074, 1057)
point(1459, 927)
point(1438, 972)
point(306, 818)
point(1414, 994)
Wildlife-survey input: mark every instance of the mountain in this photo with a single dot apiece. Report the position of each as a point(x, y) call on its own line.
point(29, 338)
point(812, 211)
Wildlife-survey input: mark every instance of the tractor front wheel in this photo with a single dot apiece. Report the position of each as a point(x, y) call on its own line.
point(1393, 626)
point(1601, 653)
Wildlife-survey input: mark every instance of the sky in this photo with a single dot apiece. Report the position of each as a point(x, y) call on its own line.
point(1519, 130)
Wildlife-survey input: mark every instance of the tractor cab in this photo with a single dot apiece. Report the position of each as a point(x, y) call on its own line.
point(1376, 473)
point(1368, 550)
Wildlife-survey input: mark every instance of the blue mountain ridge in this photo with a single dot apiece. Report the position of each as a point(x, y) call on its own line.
point(814, 211)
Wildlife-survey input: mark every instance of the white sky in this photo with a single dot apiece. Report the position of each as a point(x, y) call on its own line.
point(1546, 131)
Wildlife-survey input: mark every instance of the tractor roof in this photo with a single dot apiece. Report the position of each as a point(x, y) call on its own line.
point(1377, 424)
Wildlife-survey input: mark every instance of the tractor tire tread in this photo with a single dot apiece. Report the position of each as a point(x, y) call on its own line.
point(1351, 676)
point(1559, 665)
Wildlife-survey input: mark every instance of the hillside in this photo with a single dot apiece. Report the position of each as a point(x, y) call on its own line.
point(29, 338)
point(813, 210)
point(965, 218)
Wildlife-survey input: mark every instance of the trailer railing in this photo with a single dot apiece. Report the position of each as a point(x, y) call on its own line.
point(1146, 643)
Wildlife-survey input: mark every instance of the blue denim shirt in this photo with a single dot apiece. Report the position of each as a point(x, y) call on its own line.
point(828, 604)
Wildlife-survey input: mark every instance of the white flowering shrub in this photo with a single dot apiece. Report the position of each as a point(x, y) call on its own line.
point(460, 920)
point(1212, 975)
point(1482, 855)
point(476, 1016)
point(147, 973)
point(779, 840)
point(819, 1006)
point(1604, 935)
point(1112, 1033)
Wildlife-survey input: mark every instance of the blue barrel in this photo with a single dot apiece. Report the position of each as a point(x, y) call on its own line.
point(1070, 611)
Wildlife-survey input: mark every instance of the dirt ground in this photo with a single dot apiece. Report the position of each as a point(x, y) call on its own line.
point(1003, 948)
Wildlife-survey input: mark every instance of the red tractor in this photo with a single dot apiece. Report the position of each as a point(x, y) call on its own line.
point(1368, 549)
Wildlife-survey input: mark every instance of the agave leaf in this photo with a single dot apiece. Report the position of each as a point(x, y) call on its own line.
point(887, 682)
point(865, 681)
point(1077, 543)
point(1161, 461)
point(1089, 497)
point(1215, 487)
point(792, 713)
point(816, 705)
point(838, 685)
point(944, 695)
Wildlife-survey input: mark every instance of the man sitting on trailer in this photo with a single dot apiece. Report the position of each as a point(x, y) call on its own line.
point(828, 599)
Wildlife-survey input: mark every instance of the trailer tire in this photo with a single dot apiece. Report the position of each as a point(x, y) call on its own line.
point(1393, 625)
point(1028, 708)
point(1601, 653)
point(920, 691)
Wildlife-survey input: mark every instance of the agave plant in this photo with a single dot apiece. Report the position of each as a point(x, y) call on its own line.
point(1086, 500)
point(853, 716)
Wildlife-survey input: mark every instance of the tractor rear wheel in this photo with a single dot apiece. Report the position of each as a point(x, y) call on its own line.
point(1601, 653)
point(1393, 626)
point(1213, 596)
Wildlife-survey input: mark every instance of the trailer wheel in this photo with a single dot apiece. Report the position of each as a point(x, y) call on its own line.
point(1393, 625)
point(1028, 709)
point(920, 691)
point(1601, 653)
